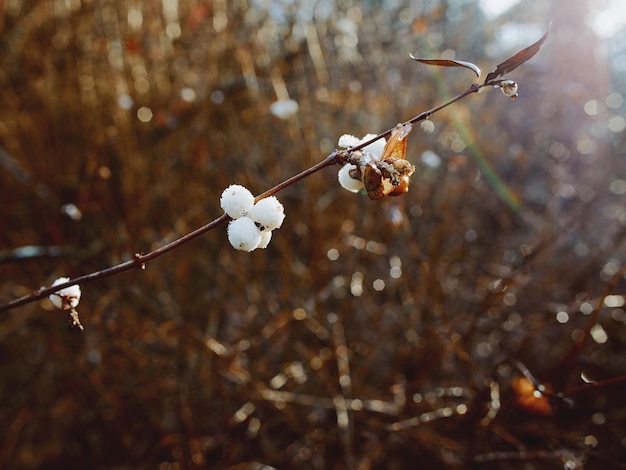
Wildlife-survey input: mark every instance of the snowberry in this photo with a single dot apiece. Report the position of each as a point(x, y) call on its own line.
point(67, 298)
point(268, 213)
point(346, 181)
point(375, 148)
point(236, 201)
point(243, 234)
point(265, 239)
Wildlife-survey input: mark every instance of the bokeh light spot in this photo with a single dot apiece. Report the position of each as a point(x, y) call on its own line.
point(144, 114)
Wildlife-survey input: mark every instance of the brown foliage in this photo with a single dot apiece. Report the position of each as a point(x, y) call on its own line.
point(370, 334)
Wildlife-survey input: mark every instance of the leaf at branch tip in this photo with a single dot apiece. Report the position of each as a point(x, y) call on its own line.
point(449, 63)
point(518, 59)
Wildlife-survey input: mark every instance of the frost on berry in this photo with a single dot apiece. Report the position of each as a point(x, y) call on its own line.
point(268, 213)
point(236, 201)
point(243, 234)
point(67, 298)
point(346, 181)
point(347, 141)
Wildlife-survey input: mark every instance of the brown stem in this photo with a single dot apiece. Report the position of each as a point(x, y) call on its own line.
point(328, 161)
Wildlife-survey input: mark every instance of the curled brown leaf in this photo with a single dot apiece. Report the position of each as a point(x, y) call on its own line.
point(518, 59)
point(449, 63)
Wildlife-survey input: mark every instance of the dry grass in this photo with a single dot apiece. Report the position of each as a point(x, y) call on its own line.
point(369, 334)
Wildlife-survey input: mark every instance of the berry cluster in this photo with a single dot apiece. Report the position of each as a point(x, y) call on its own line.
point(379, 171)
point(252, 224)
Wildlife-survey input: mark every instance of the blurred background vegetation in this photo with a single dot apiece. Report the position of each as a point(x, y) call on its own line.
point(398, 333)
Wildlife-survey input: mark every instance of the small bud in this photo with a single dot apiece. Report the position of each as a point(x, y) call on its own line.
point(236, 201)
point(243, 234)
point(346, 181)
point(509, 88)
point(67, 298)
point(269, 213)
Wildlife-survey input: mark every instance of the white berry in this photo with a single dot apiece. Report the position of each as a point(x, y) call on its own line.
point(269, 213)
point(236, 201)
point(347, 181)
point(243, 234)
point(65, 298)
point(265, 239)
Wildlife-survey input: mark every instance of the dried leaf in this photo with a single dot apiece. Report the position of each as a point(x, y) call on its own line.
point(396, 145)
point(518, 59)
point(376, 185)
point(449, 63)
point(388, 176)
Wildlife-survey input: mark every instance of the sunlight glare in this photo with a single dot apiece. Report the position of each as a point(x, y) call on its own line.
point(494, 8)
point(609, 19)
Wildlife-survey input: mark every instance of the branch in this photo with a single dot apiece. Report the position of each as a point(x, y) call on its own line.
point(336, 157)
